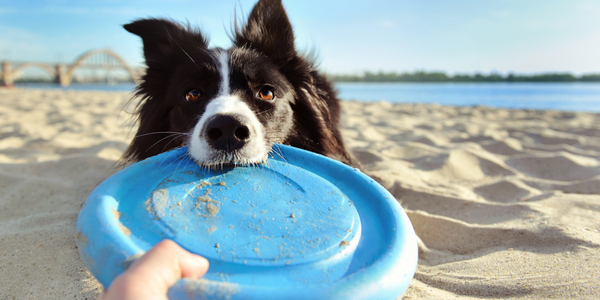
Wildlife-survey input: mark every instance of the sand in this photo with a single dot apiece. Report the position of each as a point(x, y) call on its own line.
point(507, 202)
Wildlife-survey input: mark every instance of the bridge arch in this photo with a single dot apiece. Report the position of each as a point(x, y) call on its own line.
point(80, 62)
point(46, 68)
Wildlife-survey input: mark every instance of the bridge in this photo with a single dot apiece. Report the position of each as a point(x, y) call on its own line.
point(63, 73)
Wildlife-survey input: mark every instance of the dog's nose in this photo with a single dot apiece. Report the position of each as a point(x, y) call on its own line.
point(227, 132)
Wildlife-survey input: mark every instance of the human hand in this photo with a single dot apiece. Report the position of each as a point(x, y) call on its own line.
point(150, 276)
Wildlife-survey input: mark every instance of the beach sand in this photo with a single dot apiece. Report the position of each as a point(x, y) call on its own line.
point(507, 202)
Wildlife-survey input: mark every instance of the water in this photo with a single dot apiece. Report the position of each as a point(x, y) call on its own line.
point(556, 96)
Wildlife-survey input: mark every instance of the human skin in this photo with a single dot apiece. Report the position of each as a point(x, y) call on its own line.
point(150, 276)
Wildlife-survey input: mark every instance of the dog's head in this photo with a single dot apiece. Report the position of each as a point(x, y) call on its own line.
point(229, 106)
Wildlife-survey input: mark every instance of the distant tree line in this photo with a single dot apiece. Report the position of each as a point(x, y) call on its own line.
point(423, 76)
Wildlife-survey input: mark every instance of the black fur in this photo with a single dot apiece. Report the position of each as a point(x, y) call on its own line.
point(305, 113)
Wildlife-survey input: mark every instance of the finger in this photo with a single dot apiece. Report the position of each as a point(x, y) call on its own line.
point(168, 262)
point(151, 275)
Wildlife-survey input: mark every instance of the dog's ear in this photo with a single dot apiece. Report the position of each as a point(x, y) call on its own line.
point(162, 38)
point(268, 30)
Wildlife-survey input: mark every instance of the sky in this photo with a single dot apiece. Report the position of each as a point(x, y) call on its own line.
point(349, 36)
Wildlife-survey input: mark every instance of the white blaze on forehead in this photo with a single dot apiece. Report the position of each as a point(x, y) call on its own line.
point(224, 68)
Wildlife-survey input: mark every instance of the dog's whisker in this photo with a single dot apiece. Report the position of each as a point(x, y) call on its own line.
point(193, 61)
point(167, 157)
point(167, 145)
point(276, 152)
point(171, 135)
point(162, 132)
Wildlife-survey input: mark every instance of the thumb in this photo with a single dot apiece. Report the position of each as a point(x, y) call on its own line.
point(151, 275)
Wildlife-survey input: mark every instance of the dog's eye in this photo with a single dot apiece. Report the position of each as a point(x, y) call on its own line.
point(266, 93)
point(193, 95)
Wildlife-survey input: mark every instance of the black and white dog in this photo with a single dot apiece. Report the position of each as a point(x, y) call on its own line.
point(230, 106)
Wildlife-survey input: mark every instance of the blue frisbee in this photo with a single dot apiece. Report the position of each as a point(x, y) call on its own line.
point(300, 226)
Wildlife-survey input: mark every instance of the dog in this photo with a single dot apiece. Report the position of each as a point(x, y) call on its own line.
point(229, 106)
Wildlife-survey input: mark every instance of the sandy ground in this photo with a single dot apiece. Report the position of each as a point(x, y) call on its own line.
point(506, 201)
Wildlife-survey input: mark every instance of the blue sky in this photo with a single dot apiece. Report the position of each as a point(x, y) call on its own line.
point(350, 36)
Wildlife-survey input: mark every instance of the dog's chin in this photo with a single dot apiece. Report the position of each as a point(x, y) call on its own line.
point(211, 158)
point(228, 162)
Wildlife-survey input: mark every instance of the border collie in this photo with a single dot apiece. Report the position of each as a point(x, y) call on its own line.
point(230, 105)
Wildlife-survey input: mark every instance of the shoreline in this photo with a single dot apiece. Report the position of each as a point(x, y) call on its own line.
point(570, 97)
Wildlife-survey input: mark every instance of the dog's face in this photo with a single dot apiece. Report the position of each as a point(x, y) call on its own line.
point(235, 104)
point(230, 105)
point(249, 112)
